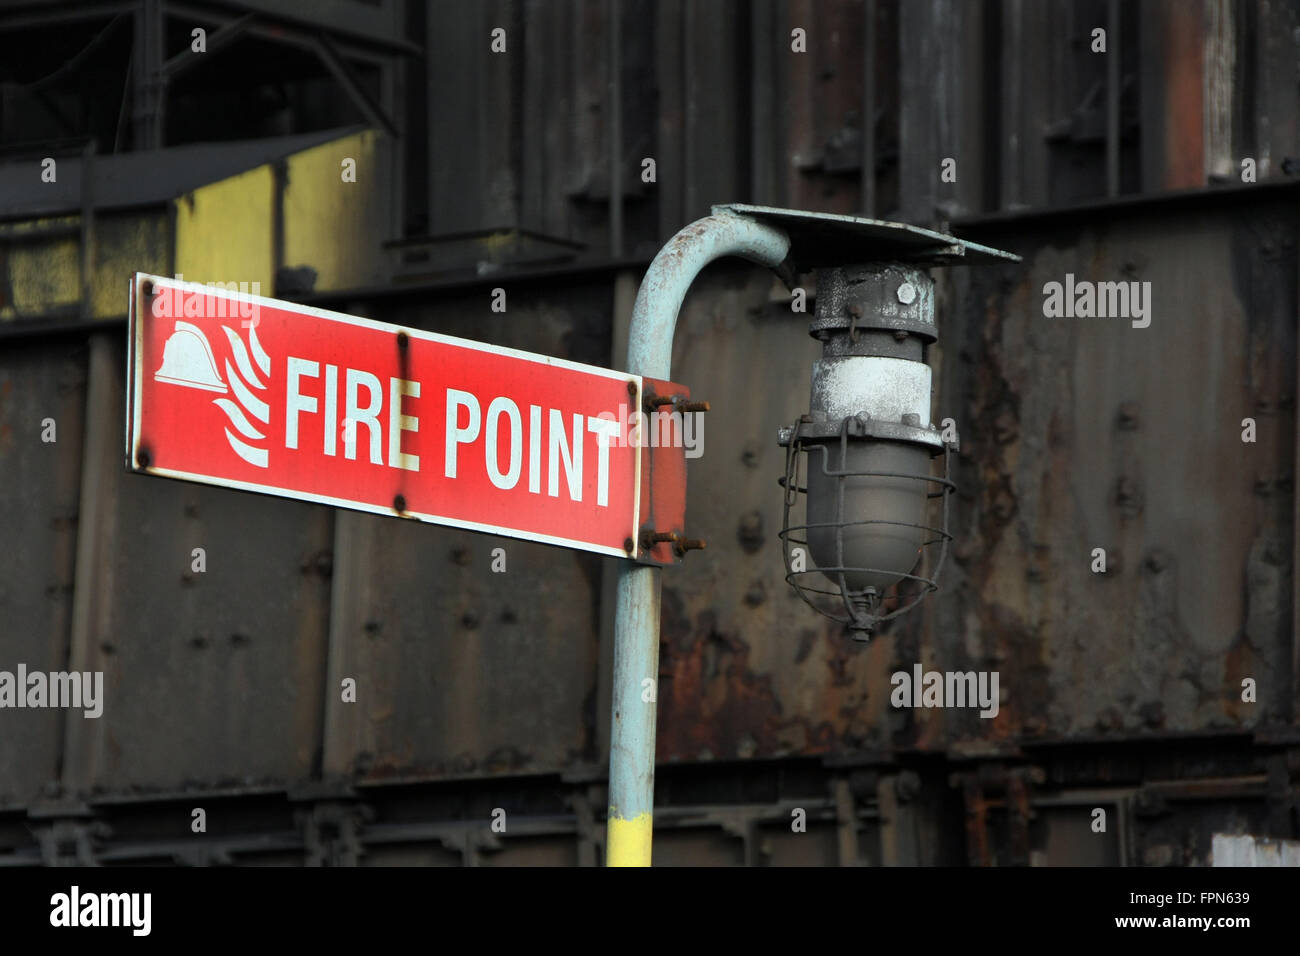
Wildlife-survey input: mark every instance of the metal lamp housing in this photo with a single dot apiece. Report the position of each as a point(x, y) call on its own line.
point(868, 442)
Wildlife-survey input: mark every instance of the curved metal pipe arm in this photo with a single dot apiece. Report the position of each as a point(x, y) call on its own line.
point(654, 316)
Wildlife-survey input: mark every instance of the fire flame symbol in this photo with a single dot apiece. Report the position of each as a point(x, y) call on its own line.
point(250, 403)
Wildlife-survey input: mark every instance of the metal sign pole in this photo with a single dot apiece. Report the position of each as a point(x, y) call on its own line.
point(636, 627)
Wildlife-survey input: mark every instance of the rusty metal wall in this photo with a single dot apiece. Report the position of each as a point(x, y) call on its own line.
point(1087, 433)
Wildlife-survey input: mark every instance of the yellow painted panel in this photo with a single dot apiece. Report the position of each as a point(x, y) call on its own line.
point(40, 262)
point(127, 243)
point(338, 227)
point(224, 231)
point(43, 275)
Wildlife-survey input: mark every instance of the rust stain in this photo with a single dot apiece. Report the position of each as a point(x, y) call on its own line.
point(1184, 133)
point(714, 705)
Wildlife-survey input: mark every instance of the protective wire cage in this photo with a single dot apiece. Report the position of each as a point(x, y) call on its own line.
point(860, 609)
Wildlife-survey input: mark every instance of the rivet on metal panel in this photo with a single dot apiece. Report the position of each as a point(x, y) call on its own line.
point(142, 457)
point(240, 640)
point(1005, 427)
point(907, 786)
point(1157, 560)
point(403, 340)
point(1152, 714)
point(107, 648)
point(372, 627)
point(1004, 505)
point(460, 555)
point(631, 388)
point(1127, 418)
point(199, 641)
point(1128, 496)
point(469, 620)
point(629, 545)
point(146, 287)
point(750, 531)
point(399, 503)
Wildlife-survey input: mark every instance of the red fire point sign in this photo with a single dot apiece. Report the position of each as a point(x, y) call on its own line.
point(246, 392)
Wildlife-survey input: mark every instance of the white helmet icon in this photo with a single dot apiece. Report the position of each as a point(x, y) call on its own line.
point(188, 360)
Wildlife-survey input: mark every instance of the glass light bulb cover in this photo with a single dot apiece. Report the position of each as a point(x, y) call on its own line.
point(882, 553)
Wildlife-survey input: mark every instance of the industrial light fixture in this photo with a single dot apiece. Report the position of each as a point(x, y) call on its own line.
point(865, 448)
point(867, 436)
point(859, 463)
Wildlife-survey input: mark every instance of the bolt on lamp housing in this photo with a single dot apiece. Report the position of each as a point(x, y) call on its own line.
point(866, 446)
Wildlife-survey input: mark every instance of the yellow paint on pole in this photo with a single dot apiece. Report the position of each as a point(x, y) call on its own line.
point(628, 841)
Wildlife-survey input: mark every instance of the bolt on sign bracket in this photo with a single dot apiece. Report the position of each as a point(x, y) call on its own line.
point(664, 407)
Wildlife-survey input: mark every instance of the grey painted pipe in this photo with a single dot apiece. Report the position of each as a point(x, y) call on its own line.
point(636, 621)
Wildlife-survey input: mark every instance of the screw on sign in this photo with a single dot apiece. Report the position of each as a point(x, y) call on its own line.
point(263, 395)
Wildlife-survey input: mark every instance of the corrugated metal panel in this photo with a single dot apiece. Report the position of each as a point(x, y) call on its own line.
point(37, 382)
point(211, 678)
point(941, 109)
point(463, 670)
point(473, 174)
